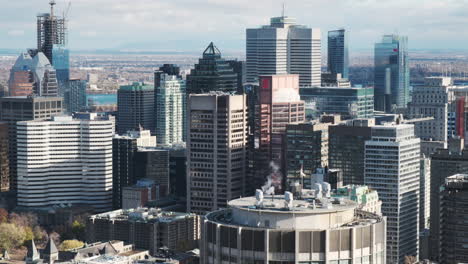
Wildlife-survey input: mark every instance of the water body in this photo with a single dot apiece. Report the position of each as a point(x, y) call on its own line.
point(102, 99)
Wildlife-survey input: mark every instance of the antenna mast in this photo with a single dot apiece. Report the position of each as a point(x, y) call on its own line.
point(52, 3)
point(282, 12)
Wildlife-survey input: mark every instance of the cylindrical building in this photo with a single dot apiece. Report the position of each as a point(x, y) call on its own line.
point(308, 230)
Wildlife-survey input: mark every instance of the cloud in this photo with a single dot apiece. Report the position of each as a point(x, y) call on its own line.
point(113, 23)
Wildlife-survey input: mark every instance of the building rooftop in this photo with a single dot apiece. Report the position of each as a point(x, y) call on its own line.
point(142, 215)
point(137, 86)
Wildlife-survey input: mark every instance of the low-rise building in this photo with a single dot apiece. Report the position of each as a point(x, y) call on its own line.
point(146, 228)
point(366, 198)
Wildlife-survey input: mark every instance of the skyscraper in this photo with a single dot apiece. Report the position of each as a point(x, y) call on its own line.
point(338, 57)
point(279, 105)
point(170, 103)
point(65, 161)
point(135, 105)
point(51, 31)
point(216, 150)
point(22, 108)
point(21, 82)
point(45, 76)
point(392, 168)
point(283, 47)
point(453, 228)
point(153, 164)
point(124, 148)
point(346, 145)
point(74, 95)
point(391, 73)
point(212, 73)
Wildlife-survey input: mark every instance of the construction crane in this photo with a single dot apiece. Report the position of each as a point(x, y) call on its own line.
point(65, 14)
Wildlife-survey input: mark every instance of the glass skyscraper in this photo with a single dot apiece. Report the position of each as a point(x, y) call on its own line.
point(338, 57)
point(391, 76)
point(61, 62)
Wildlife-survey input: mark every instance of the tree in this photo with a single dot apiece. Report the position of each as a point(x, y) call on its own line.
point(11, 236)
point(3, 215)
point(24, 219)
point(410, 259)
point(78, 230)
point(71, 244)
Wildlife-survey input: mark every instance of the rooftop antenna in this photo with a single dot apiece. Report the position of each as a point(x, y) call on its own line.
point(52, 3)
point(282, 12)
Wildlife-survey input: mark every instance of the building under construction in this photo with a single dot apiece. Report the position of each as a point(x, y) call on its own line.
point(51, 30)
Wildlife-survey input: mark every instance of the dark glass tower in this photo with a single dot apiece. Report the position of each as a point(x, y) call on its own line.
point(135, 104)
point(391, 76)
point(338, 58)
point(212, 73)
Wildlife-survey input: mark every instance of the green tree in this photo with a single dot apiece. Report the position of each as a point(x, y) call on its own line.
point(28, 233)
point(11, 236)
point(71, 244)
point(78, 230)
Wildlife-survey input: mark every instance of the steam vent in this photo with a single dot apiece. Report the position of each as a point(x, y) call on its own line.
point(307, 227)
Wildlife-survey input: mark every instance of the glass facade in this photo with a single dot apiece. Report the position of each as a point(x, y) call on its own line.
point(348, 102)
point(338, 56)
point(391, 76)
point(61, 62)
point(74, 95)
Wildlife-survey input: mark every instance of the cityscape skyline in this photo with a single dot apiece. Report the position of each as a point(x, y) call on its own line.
point(225, 22)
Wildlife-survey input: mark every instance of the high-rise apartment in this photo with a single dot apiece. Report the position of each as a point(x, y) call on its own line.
point(392, 168)
point(346, 145)
point(170, 105)
point(212, 73)
point(391, 73)
point(65, 161)
point(124, 148)
point(23, 108)
point(284, 47)
point(135, 105)
point(216, 150)
point(279, 105)
point(338, 57)
point(453, 215)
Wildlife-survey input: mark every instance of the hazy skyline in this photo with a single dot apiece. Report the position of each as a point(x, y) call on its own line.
point(189, 25)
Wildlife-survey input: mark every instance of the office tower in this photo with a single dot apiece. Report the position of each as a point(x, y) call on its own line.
point(432, 100)
point(170, 103)
point(45, 76)
point(424, 206)
point(65, 161)
point(334, 80)
point(277, 229)
point(239, 69)
point(392, 164)
point(21, 82)
point(61, 62)
point(153, 164)
point(22, 108)
point(391, 73)
point(346, 144)
point(124, 148)
point(444, 163)
point(178, 170)
point(278, 105)
point(146, 228)
point(212, 73)
point(306, 150)
point(349, 103)
point(51, 32)
point(74, 95)
point(135, 105)
point(283, 47)
point(4, 159)
point(453, 228)
point(338, 57)
point(216, 150)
